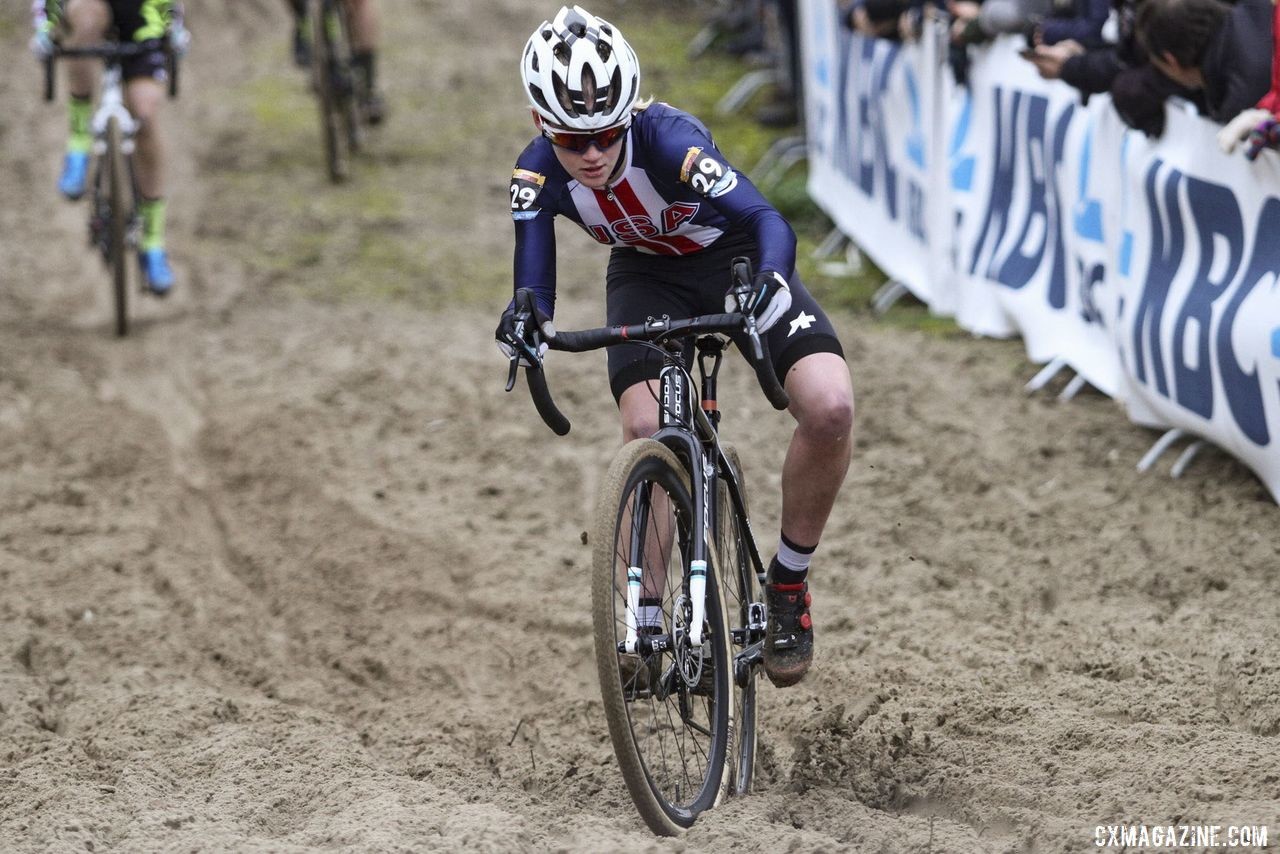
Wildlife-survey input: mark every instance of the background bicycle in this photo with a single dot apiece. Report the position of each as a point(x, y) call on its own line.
point(678, 618)
point(114, 221)
point(335, 81)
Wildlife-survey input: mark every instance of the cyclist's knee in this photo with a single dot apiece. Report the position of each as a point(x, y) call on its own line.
point(87, 21)
point(638, 411)
point(145, 96)
point(822, 397)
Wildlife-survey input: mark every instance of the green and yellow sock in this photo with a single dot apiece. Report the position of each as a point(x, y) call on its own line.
point(152, 212)
point(80, 114)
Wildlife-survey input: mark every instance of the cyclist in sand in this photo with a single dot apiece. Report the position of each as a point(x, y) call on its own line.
point(646, 180)
point(82, 23)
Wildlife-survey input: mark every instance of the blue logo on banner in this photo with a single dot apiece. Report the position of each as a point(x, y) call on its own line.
point(1021, 125)
point(1275, 342)
point(1216, 228)
point(1088, 213)
point(915, 139)
point(961, 167)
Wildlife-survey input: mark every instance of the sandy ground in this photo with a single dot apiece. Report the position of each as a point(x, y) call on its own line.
point(287, 570)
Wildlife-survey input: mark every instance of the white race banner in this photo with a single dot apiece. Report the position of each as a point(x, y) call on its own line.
point(1150, 267)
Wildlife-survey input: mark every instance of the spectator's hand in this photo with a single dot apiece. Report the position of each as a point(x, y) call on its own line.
point(1048, 58)
point(1238, 129)
point(41, 44)
point(963, 10)
point(1266, 134)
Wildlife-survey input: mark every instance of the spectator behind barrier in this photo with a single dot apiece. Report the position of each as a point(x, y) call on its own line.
point(1221, 52)
point(1138, 91)
point(1259, 124)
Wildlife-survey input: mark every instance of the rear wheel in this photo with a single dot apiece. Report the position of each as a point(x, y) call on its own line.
point(738, 583)
point(325, 79)
point(118, 208)
point(667, 701)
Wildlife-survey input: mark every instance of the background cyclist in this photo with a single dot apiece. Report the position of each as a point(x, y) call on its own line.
point(648, 181)
point(366, 33)
point(82, 23)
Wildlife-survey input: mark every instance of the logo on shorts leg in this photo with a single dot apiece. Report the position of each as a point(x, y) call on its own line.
point(802, 321)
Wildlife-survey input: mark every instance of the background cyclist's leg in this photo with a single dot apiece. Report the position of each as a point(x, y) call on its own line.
point(87, 22)
point(145, 94)
point(298, 43)
point(366, 35)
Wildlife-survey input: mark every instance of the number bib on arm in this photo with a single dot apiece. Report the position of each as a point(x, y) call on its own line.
point(707, 174)
point(525, 187)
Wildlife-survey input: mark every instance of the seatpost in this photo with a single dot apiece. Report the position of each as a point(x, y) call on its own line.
point(710, 348)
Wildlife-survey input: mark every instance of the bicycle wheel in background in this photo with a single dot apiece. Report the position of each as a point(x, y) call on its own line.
point(118, 207)
point(739, 587)
point(325, 82)
point(668, 703)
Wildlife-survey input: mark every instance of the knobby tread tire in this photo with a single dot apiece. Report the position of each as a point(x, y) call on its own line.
point(636, 457)
point(738, 586)
point(322, 80)
point(119, 208)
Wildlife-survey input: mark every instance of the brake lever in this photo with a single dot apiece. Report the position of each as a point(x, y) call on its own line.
point(515, 367)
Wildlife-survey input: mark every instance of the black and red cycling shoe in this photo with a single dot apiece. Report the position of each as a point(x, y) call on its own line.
point(788, 640)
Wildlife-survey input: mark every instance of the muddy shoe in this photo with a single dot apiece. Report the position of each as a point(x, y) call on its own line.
point(788, 640)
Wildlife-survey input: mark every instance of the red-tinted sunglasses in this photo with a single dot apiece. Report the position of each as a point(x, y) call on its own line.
point(579, 142)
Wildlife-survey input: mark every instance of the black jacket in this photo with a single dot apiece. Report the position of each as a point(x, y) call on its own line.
point(1237, 65)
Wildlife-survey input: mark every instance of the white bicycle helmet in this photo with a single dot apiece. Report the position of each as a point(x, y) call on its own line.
point(579, 72)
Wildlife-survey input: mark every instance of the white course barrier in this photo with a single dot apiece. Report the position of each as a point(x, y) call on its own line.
point(1148, 266)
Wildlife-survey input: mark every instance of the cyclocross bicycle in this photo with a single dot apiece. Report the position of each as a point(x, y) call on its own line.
point(114, 222)
point(333, 77)
point(678, 616)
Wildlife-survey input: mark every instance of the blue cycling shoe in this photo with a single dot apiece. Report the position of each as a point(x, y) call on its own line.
point(74, 169)
point(156, 270)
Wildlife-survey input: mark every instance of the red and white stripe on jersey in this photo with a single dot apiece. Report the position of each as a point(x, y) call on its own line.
point(634, 213)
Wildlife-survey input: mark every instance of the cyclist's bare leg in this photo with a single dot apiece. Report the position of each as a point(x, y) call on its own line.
point(818, 457)
point(366, 35)
point(87, 22)
point(144, 97)
point(640, 420)
point(366, 24)
point(84, 24)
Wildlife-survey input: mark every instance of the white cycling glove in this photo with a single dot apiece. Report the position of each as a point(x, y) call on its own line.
point(770, 299)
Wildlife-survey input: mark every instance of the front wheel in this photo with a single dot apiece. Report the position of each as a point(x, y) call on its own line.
point(666, 699)
point(118, 211)
point(325, 81)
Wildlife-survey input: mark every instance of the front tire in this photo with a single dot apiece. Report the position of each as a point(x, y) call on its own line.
point(324, 79)
point(670, 736)
point(118, 207)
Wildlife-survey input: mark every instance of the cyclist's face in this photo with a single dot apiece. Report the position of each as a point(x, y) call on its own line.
point(592, 167)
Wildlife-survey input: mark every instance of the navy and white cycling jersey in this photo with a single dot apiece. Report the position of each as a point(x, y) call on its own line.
point(674, 194)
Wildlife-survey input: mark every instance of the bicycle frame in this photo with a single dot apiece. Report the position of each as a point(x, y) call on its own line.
point(691, 433)
point(111, 104)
